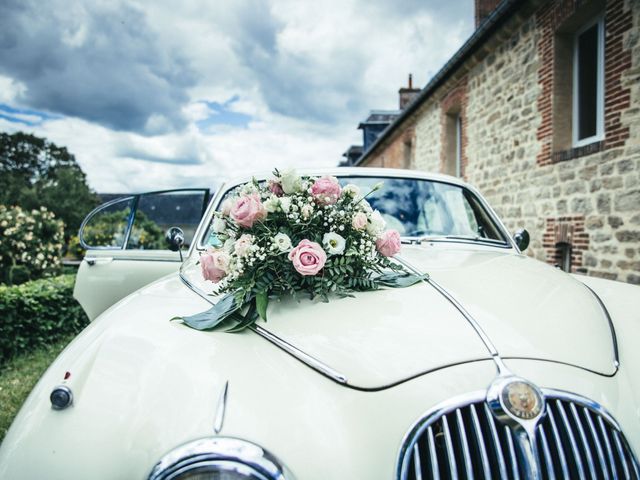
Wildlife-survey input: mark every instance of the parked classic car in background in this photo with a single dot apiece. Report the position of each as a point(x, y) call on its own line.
point(496, 366)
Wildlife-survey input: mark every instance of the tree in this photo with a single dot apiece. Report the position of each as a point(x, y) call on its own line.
point(35, 172)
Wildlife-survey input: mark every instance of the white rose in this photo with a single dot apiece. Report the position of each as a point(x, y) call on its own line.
point(291, 182)
point(351, 190)
point(359, 221)
point(226, 206)
point(285, 204)
point(243, 244)
point(271, 204)
point(283, 242)
point(376, 223)
point(219, 225)
point(333, 243)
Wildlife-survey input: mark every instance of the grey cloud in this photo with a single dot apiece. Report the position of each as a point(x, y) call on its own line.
point(101, 63)
point(292, 84)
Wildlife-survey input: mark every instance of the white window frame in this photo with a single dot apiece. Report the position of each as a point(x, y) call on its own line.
point(600, 85)
point(458, 145)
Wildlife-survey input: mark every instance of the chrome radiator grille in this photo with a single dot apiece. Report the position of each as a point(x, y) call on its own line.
point(576, 438)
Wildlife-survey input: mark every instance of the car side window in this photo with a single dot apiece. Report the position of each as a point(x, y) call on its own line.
point(157, 212)
point(107, 226)
point(139, 222)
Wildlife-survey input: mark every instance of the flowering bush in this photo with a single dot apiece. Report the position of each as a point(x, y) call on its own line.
point(30, 243)
point(295, 234)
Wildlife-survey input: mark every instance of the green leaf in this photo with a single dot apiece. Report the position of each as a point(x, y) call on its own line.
point(262, 301)
point(400, 279)
point(213, 317)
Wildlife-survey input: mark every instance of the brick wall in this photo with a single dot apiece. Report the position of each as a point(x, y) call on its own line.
point(513, 142)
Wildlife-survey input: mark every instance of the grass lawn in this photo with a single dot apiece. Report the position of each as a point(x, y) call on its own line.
point(19, 375)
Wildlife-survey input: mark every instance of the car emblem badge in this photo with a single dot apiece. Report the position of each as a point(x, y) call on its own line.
point(515, 400)
point(522, 400)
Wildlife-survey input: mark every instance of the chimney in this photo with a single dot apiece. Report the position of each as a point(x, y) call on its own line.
point(484, 8)
point(408, 94)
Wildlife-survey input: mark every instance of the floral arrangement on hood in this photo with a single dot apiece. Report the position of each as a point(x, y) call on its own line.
point(295, 235)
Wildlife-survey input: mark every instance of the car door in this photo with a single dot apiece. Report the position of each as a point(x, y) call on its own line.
point(125, 244)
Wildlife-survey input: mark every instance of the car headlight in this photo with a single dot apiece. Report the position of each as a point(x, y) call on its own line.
point(219, 458)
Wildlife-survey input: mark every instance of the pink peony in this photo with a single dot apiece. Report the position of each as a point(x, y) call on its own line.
point(276, 188)
point(326, 190)
point(388, 244)
point(211, 267)
point(308, 257)
point(247, 210)
point(359, 221)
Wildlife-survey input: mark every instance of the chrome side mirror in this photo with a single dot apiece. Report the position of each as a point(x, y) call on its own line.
point(521, 237)
point(175, 239)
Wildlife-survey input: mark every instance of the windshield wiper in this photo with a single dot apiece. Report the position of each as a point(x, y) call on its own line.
point(444, 238)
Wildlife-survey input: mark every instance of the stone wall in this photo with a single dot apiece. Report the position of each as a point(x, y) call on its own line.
point(512, 126)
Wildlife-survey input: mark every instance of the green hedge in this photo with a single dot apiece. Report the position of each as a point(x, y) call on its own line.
point(38, 313)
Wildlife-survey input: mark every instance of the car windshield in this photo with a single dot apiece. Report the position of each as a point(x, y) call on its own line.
point(420, 208)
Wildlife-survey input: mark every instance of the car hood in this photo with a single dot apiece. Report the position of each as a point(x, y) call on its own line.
point(526, 308)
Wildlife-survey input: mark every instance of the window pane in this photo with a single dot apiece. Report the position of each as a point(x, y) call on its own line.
point(158, 212)
point(587, 77)
point(108, 226)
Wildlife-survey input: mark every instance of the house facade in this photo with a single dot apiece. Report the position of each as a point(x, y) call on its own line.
point(540, 109)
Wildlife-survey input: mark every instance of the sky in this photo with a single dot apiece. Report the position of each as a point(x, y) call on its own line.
point(163, 94)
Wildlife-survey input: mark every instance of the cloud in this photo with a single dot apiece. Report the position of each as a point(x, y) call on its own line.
point(100, 62)
point(161, 95)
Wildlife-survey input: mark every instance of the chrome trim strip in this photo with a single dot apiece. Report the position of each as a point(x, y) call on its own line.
point(623, 460)
point(221, 410)
point(558, 442)
point(287, 347)
point(607, 445)
point(596, 441)
point(481, 445)
point(465, 445)
point(547, 454)
point(453, 468)
point(512, 453)
point(435, 471)
point(583, 438)
point(223, 453)
point(417, 462)
point(614, 338)
point(476, 326)
point(572, 440)
point(496, 440)
point(300, 355)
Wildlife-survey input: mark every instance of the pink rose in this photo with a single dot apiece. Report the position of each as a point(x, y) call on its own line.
point(326, 190)
point(247, 210)
point(308, 257)
point(211, 267)
point(359, 221)
point(388, 244)
point(276, 188)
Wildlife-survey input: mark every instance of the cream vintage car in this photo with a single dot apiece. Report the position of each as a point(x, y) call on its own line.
point(496, 366)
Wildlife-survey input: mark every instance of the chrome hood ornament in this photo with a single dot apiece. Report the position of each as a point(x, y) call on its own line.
point(520, 404)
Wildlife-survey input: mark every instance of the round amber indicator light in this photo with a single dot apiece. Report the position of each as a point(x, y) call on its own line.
point(522, 400)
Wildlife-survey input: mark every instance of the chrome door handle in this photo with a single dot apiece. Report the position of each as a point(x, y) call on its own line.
point(91, 261)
